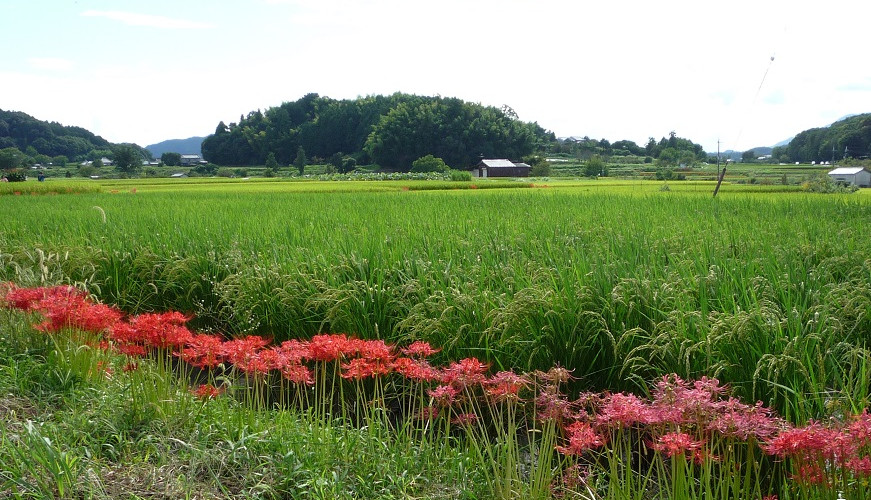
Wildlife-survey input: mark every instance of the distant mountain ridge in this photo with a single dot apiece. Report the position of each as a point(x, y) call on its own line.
point(189, 146)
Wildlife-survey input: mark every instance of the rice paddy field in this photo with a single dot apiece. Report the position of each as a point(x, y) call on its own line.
point(765, 288)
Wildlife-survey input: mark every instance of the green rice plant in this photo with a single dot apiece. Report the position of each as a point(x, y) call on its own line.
point(35, 468)
point(613, 279)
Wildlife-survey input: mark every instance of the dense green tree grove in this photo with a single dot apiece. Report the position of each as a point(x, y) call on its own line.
point(848, 138)
point(391, 131)
point(671, 151)
point(22, 131)
point(37, 141)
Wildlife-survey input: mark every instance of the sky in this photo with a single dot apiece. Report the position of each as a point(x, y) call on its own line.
point(744, 73)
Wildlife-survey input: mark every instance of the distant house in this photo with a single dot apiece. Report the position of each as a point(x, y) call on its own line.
point(188, 160)
point(500, 168)
point(857, 176)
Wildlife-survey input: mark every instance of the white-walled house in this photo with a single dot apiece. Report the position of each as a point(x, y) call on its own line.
point(857, 176)
point(500, 168)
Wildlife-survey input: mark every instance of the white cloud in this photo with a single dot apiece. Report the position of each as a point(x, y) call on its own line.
point(50, 63)
point(136, 19)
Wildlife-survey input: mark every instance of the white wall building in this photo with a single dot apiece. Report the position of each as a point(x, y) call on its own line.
point(858, 176)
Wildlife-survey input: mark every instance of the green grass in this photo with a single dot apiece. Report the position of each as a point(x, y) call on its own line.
point(763, 287)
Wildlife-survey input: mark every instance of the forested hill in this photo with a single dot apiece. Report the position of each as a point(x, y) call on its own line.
point(36, 141)
point(850, 138)
point(391, 131)
point(22, 131)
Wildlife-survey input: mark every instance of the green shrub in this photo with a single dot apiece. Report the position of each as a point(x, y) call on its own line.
point(822, 183)
point(15, 175)
point(460, 175)
point(429, 163)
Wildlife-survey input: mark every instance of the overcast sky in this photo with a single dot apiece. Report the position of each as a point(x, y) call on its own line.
point(146, 71)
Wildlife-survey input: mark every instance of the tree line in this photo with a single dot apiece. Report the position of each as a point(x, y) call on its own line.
point(390, 131)
point(25, 140)
point(847, 138)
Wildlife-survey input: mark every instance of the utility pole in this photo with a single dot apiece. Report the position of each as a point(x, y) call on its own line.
point(722, 173)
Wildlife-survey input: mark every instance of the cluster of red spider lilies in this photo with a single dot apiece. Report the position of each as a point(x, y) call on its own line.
point(693, 422)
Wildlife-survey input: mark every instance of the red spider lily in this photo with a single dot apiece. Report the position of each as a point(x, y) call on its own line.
point(419, 349)
point(243, 353)
point(553, 406)
point(740, 421)
point(207, 391)
point(464, 373)
point(132, 350)
point(130, 367)
point(675, 401)
point(296, 351)
point(860, 466)
point(505, 386)
point(374, 350)
point(427, 413)
point(444, 395)
point(465, 419)
point(582, 437)
point(808, 442)
point(677, 443)
point(623, 410)
point(28, 299)
point(330, 347)
point(297, 373)
point(860, 428)
point(270, 359)
point(415, 369)
point(701, 455)
point(155, 330)
point(811, 474)
point(360, 368)
point(204, 351)
point(66, 307)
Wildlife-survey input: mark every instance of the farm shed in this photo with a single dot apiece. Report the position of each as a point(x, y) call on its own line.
point(500, 168)
point(187, 160)
point(857, 176)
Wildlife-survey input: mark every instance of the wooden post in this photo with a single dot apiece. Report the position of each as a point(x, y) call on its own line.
point(720, 181)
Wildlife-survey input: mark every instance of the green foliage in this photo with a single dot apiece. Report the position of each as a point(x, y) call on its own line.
point(127, 160)
point(429, 163)
point(15, 175)
point(59, 161)
point(460, 175)
point(11, 158)
point(300, 161)
point(205, 169)
point(271, 162)
point(450, 129)
point(171, 159)
point(225, 172)
point(87, 170)
point(540, 167)
point(848, 138)
point(774, 296)
point(23, 131)
point(822, 183)
point(594, 167)
point(390, 130)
